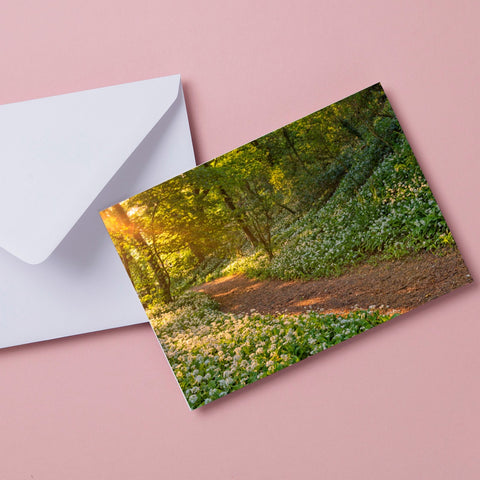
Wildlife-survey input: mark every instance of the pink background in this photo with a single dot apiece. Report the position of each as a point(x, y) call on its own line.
point(397, 402)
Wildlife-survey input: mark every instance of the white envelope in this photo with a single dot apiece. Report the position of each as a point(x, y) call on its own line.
point(62, 160)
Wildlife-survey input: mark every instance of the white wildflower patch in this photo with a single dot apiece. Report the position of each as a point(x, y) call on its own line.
point(214, 353)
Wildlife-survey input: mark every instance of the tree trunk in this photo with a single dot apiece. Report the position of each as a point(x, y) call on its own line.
point(291, 145)
point(231, 206)
point(149, 256)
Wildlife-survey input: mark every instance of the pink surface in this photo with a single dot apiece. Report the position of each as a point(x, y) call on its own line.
point(398, 402)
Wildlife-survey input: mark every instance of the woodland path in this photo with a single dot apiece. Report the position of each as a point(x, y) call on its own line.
point(390, 286)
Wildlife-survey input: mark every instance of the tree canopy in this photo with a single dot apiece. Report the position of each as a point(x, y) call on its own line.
point(271, 202)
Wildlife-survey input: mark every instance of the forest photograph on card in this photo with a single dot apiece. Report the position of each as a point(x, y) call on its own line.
point(286, 246)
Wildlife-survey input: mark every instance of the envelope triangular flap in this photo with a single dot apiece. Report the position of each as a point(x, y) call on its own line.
point(57, 154)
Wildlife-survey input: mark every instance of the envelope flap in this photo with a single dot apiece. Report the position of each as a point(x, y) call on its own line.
point(57, 154)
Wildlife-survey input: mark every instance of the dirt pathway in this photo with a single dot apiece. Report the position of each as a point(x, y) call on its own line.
point(392, 286)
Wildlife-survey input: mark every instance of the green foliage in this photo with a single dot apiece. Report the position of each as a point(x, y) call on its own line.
point(214, 353)
point(307, 200)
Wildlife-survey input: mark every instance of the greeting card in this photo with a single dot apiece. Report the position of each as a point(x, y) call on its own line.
point(286, 246)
